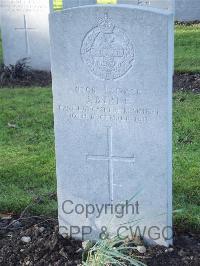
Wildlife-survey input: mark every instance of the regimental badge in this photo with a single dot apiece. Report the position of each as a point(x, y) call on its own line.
point(107, 51)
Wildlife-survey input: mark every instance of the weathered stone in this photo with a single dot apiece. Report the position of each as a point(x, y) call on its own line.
point(112, 84)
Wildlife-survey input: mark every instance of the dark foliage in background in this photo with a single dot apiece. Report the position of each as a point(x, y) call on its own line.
point(21, 74)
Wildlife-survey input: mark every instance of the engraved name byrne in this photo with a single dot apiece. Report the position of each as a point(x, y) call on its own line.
point(107, 51)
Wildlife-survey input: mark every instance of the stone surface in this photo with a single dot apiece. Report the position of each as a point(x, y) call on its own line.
point(187, 10)
point(51, 7)
point(141, 249)
point(161, 4)
point(25, 32)
point(165, 4)
point(112, 86)
point(26, 239)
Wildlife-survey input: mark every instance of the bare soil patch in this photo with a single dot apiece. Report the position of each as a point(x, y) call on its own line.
point(44, 246)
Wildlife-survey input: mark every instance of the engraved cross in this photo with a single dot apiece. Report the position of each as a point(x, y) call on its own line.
point(110, 158)
point(26, 29)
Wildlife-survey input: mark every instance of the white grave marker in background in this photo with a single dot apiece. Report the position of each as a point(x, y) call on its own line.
point(187, 10)
point(25, 32)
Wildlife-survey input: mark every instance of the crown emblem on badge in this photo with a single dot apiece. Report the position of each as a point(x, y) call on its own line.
point(106, 25)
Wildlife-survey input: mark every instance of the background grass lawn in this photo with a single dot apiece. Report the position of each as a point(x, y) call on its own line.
point(187, 48)
point(27, 167)
point(27, 163)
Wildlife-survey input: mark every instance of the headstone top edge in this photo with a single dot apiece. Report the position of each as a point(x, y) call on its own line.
point(122, 6)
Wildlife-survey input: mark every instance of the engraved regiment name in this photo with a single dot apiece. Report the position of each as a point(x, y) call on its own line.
point(102, 113)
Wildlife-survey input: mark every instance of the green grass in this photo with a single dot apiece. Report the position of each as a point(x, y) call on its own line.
point(187, 158)
point(27, 165)
point(187, 48)
point(27, 160)
point(112, 251)
point(57, 4)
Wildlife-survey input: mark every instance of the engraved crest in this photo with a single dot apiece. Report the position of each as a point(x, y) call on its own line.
point(107, 51)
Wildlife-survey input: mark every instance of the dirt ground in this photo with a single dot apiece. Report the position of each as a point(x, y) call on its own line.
point(43, 245)
point(187, 82)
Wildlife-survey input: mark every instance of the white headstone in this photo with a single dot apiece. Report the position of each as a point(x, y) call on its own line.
point(187, 10)
point(162, 4)
point(112, 94)
point(25, 32)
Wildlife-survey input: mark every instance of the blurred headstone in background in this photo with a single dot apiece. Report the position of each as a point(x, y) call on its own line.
point(25, 32)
